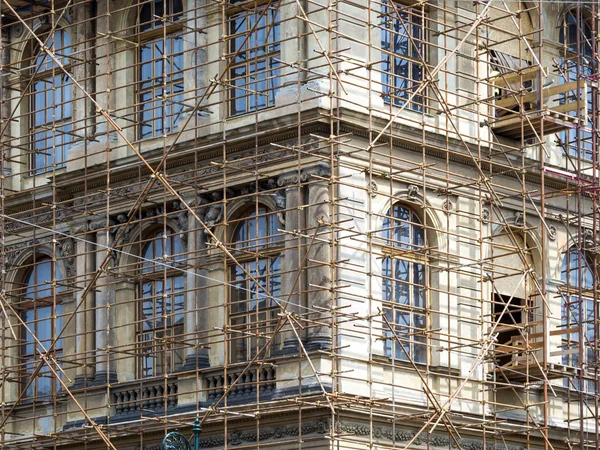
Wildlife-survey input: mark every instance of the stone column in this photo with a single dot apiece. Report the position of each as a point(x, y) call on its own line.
point(84, 320)
point(125, 339)
point(196, 322)
point(84, 111)
point(5, 108)
point(292, 283)
point(319, 271)
point(104, 370)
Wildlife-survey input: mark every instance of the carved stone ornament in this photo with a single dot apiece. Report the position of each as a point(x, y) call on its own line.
point(448, 206)
point(485, 215)
point(181, 218)
point(552, 232)
point(519, 219)
point(67, 250)
point(17, 30)
point(587, 237)
point(122, 219)
point(46, 218)
point(14, 252)
point(413, 192)
point(373, 188)
point(287, 179)
point(397, 434)
point(214, 212)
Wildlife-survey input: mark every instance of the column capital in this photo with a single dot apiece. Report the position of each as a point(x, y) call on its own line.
point(288, 179)
point(319, 170)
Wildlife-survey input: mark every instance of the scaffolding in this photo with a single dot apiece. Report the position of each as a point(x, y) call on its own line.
point(310, 223)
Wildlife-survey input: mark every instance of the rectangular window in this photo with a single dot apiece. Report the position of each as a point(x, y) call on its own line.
point(45, 323)
point(403, 54)
point(255, 52)
point(161, 85)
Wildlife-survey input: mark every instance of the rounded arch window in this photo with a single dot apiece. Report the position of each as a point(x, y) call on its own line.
point(41, 311)
point(255, 281)
point(51, 104)
point(161, 305)
point(404, 275)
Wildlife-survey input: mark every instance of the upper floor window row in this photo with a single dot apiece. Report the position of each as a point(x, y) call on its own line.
point(255, 52)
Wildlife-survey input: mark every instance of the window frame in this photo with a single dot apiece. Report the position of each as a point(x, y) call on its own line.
point(50, 72)
point(28, 304)
point(167, 34)
point(413, 253)
point(271, 71)
point(571, 69)
point(572, 276)
point(241, 348)
point(389, 76)
point(163, 349)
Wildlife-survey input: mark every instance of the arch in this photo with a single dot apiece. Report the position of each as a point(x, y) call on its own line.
point(161, 304)
point(23, 49)
point(236, 209)
point(41, 310)
point(127, 17)
point(132, 249)
point(25, 259)
point(255, 281)
point(405, 282)
point(424, 210)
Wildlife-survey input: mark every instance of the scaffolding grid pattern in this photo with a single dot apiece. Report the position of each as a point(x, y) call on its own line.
point(311, 223)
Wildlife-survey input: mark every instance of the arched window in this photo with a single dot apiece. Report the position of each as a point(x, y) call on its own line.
point(578, 311)
point(577, 64)
point(51, 105)
point(162, 304)
point(255, 281)
point(404, 275)
point(160, 77)
point(41, 311)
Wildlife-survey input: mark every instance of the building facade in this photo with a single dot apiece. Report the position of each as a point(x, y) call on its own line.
point(311, 224)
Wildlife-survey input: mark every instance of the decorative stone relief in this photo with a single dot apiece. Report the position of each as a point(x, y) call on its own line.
point(46, 218)
point(485, 215)
point(14, 252)
point(287, 179)
point(250, 436)
point(413, 192)
point(552, 232)
point(448, 206)
point(587, 237)
point(403, 435)
point(519, 219)
point(67, 250)
point(214, 212)
point(373, 188)
point(122, 219)
point(17, 30)
point(181, 218)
